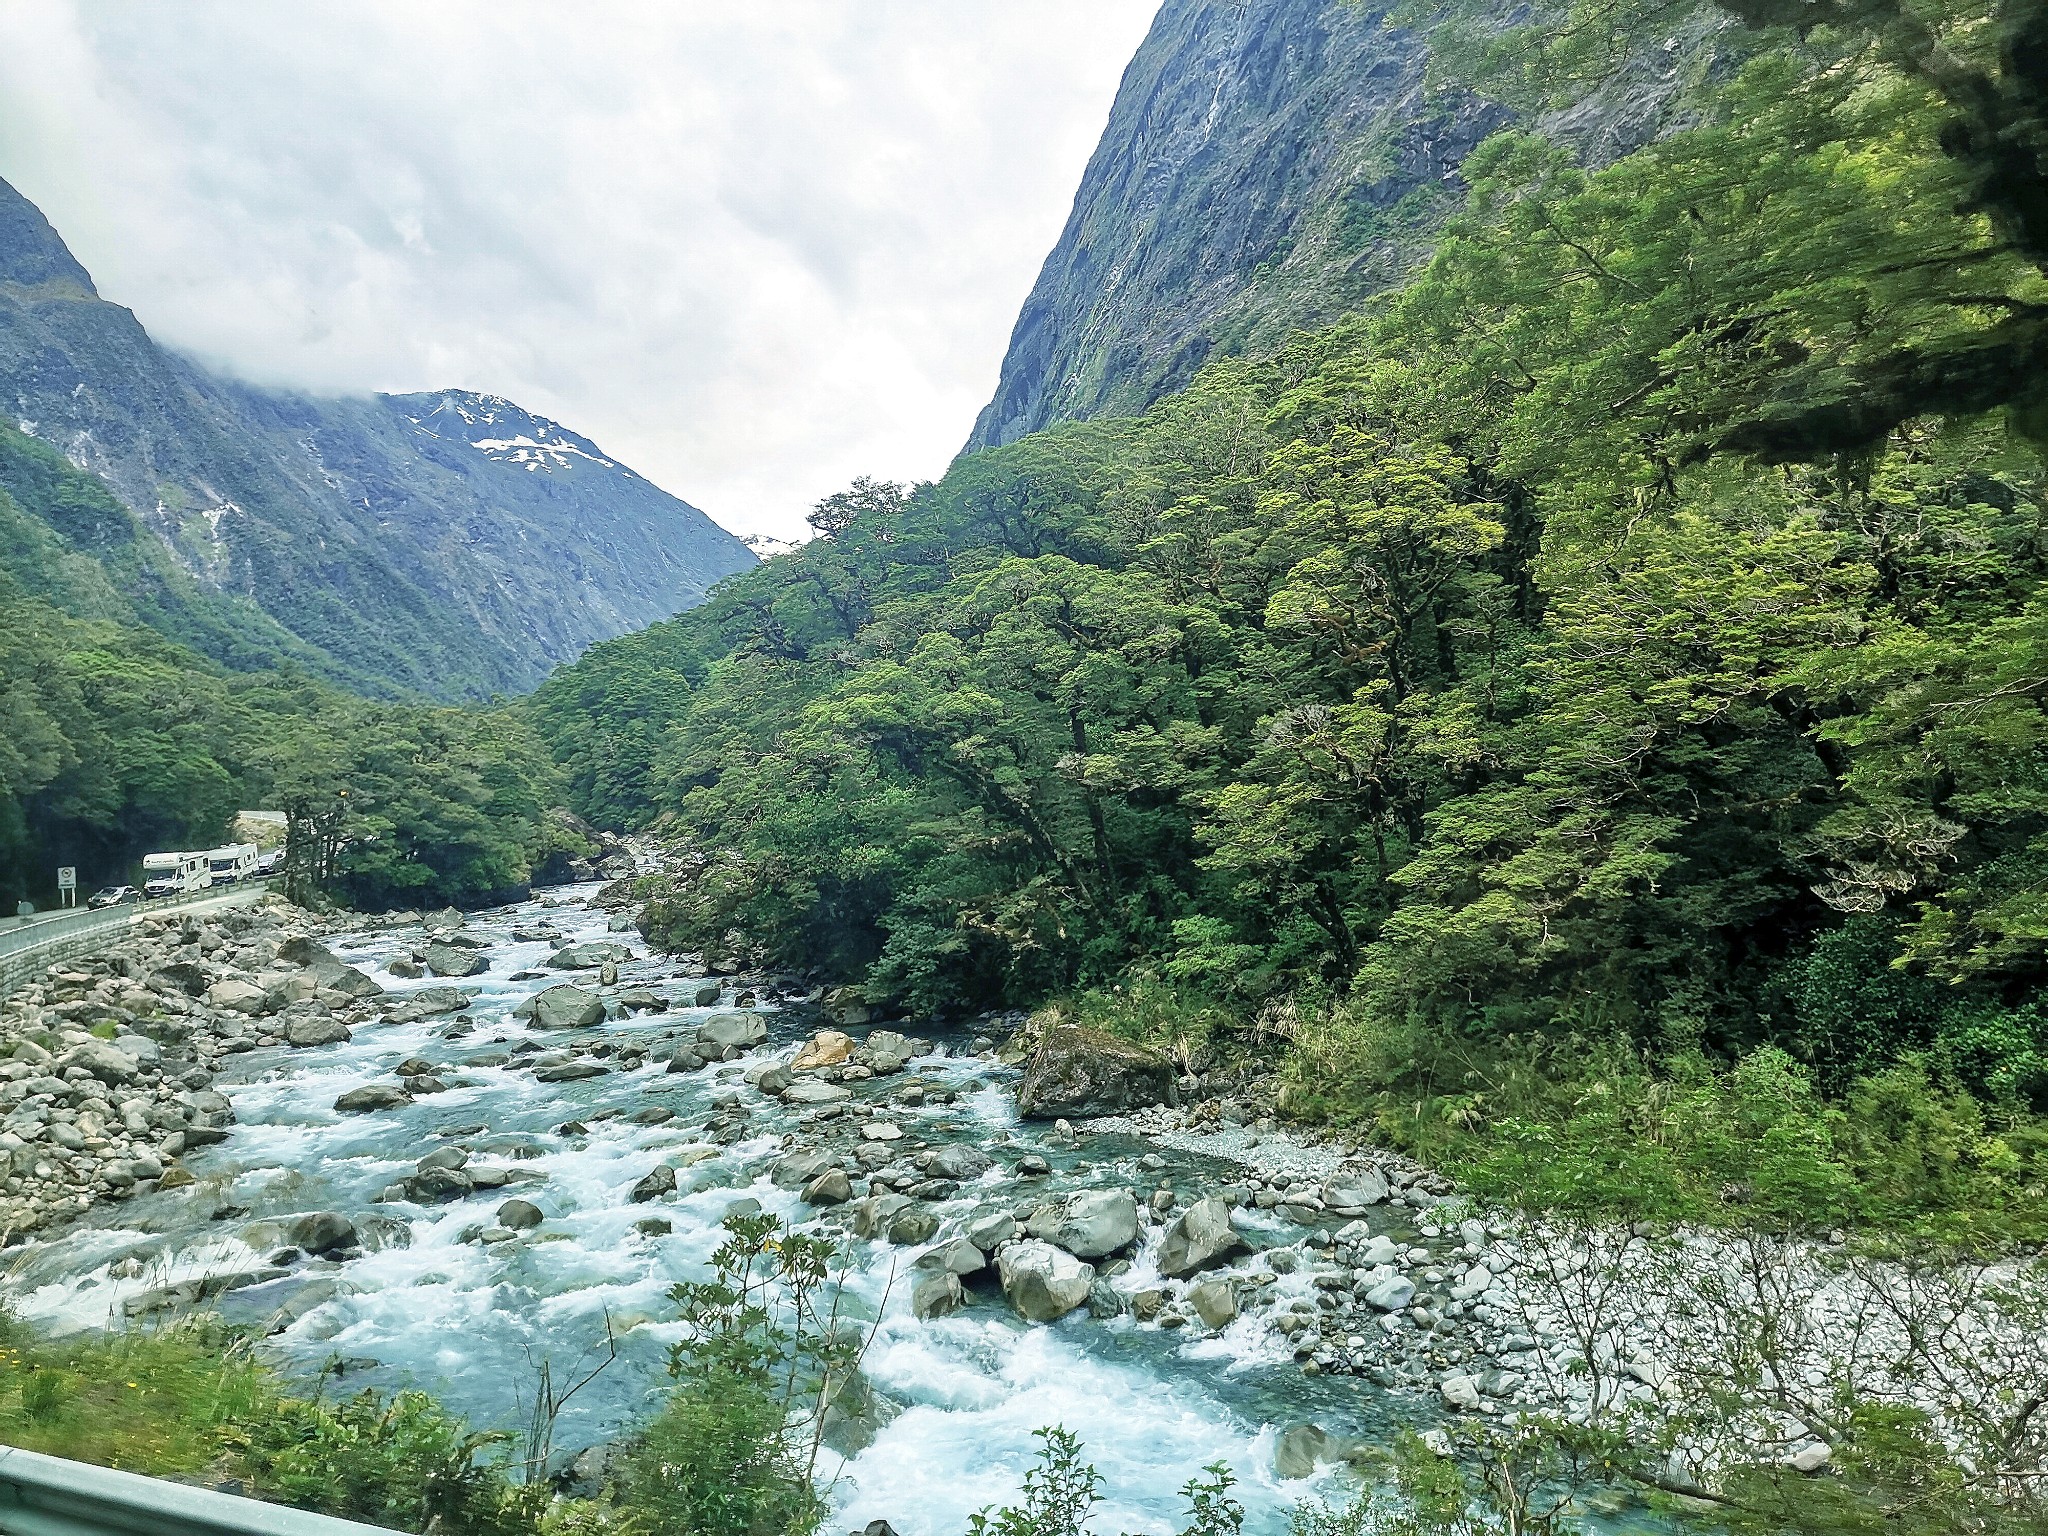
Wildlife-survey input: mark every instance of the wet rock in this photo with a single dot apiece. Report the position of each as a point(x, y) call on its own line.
point(1104, 1301)
point(1215, 1302)
point(315, 1029)
point(181, 977)
point(1354, 1192)
point(571, 1072)
point(372, 1096)
point(1043, 1282)
point(775, 1081)
point(832, 1187)
point(706, 996)
point(427, 1003)
point(988, 1233)
point(657, 1181)
point(347, 980)
point(937, 1295)
point(454, 960)
point(1200, 1237)
point(957, 1256)
point(567, 1007)
point(884, 1052)
point(433, 1186)
point(1090, 1223)
point(733, 1029)
point(588, 957)
point(406, 970)
point(520, 1215)
point(444, 1157)
point(321, 1233)
point(826, 1048)
point(812, 1090)
point(1078, 1071)
point(793, 1170)
point(1305, 1447)
point(958, 1163)
point(447, 920)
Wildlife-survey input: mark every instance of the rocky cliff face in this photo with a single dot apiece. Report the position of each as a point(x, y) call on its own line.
point(450, 543)
point(1268, 164)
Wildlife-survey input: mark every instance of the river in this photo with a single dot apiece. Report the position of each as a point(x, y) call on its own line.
point(432, 1307)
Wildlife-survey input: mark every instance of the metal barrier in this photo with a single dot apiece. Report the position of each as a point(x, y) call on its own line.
point(27, 944)
point(49, 1496)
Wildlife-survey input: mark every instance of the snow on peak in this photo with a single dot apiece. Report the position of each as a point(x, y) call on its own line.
point(502, 431)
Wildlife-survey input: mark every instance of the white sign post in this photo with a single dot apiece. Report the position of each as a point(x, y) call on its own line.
point(67, 883)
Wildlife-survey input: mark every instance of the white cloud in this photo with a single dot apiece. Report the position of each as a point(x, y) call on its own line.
point(753, 249)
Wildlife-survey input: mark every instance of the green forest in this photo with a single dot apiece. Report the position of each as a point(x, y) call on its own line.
point(1615, 656)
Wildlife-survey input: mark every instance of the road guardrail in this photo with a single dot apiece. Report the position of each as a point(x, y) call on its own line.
point(49, 1496)
point(26, 943)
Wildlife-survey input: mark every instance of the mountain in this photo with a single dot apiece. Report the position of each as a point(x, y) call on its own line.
point(447, 543)
point(1267, 166)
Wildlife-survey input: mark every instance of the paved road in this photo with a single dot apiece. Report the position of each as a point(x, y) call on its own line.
point(24, 946)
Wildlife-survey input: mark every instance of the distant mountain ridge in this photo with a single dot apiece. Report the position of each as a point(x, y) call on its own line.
point(1267, 166)
point(450, 543)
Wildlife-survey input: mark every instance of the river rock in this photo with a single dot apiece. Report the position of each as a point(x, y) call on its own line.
point(1460, 1392)
point(884, 1052)
point(1089, 1224)
point(1200, 1237)
point(1353, 1192)
point(432, 1186)
point(1304, 1447)
point(301, 950)
point(588, 957)
point(958, 1163)
point(346, 980)
point(454, 960)
point(237, 996)
point(815, 1090)
point(793, 1170)
point(827, 1048)
point(1078, 1071)
point(1214, 1301)
point(571, 1071)
point(567, 1007)
point(520, 1215)
point(956, 1255)
point(1043, 1282)
point(988, 1233)
point(657, 1181)
point(706, 996)
point(1391, 1294)
point(733, 1029)
point(937, 1295)
point(103, 1059)
point(372, 1096)
point(832, 1187)
point(315, 1029)
point(447, 920)
point(321, 1233)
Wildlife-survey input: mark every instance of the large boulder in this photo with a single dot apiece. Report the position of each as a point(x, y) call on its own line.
point(1043, 1282)
point(315, 1029)
point(793, 1170)
point(321, 1232)
point(884, 1052)
point(727, 1029)
point(455, 960)
point(1076, 1072)
point(588, 957)
point(814, 1090)
point(827, 1048)
point(427, 1003)
point(1090, 1223)
point(567, 1007)
point(1214, 1301)
point(1350, 1193)
point(1200, 1237)
point(447, 920)
point(372, 1096)
point(958, 1163)
point(346, 980)
point(101, 1058)
point(652, 1185)
point(301, 950)
point(937, 1295)
point(237, 996)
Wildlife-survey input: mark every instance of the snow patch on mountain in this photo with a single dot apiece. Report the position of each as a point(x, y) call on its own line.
point(502, 431)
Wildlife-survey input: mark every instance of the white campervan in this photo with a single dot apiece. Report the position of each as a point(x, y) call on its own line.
point(170, 874)
point(236, 861)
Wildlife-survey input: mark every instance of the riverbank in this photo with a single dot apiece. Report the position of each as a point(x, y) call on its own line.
point(452, 1179)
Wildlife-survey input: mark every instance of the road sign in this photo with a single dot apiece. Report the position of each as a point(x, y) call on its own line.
point(67, 883)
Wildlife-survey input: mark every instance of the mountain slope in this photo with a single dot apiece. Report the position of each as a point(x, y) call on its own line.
point(1267, 165)
point(448, 543)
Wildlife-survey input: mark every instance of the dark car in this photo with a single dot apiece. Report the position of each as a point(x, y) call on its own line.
point(115, 896)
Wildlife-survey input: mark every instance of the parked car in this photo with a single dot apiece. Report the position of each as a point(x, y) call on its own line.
point(115, 896)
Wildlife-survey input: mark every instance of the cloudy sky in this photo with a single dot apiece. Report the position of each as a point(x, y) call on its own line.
point(752, 247)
